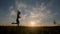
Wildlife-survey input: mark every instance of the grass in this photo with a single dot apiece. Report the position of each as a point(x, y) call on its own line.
point(29, 30)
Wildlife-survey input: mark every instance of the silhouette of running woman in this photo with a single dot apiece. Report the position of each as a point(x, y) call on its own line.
point(17, 20)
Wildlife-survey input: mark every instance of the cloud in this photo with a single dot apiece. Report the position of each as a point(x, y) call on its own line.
point(12, 11)
point(21, 5)
point(39, 14)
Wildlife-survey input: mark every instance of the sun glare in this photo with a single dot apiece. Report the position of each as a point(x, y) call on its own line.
point(32, 23)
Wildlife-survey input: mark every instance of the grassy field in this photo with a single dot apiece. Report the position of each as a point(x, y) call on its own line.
point(29, 30)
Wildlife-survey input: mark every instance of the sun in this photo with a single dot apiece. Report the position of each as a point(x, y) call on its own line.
point(32, 23)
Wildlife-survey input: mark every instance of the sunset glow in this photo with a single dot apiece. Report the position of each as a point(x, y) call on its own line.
point(33, 12)
point(32, 23)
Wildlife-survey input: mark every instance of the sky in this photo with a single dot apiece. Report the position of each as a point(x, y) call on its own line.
point(40, 12)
